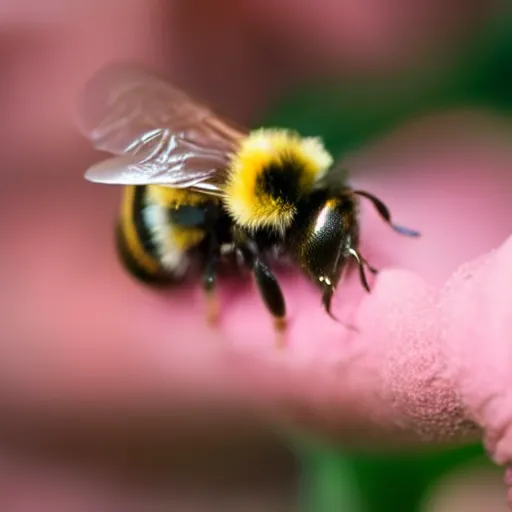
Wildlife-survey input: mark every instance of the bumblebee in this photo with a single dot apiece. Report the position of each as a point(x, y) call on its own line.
point(200, 190)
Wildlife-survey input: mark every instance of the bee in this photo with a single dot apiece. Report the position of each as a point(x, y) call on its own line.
point(200, 190)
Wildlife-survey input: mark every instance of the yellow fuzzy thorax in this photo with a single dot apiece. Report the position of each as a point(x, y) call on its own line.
point(246, 201)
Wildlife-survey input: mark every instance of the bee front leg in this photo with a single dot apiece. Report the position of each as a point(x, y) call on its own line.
point(361, 262)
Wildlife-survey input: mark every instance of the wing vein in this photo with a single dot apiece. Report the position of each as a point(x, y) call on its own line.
point(157, 133)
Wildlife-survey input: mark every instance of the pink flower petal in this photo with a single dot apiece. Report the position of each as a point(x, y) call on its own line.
point(477, 321)
point(389, 381)
point(78, 332)
point(397, 375)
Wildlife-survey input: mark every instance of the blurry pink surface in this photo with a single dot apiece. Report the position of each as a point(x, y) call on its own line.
point(78, 336)
point(400, 372)
point(254, 51)
point(430, 358)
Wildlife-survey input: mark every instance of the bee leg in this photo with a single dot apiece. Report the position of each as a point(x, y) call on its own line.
point(267, 285)
point(210, 287)
point(212, 300)
point(272, 296)
point(372, 269)
point(360, 264)
point(327, 301)
point(386, 215)
point(270, 292)
point(327, 304)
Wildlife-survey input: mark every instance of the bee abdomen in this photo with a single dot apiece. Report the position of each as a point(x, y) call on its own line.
point(146, 271)
point(137, 245)
point(172, 242)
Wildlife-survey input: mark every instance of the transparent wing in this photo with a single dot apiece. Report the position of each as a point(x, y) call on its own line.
point(336, 177)
point(159, 134)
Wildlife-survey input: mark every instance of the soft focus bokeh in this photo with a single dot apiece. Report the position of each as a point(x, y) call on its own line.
point(115, 398)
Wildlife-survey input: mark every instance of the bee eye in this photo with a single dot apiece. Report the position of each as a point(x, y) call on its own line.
point(321, 240)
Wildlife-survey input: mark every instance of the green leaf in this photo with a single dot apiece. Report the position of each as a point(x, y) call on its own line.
point(351, 113)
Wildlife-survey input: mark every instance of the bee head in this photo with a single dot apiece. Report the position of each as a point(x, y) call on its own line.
point(320, 238)
point(272, 171)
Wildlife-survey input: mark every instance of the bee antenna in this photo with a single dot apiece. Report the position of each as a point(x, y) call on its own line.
point(386, 215)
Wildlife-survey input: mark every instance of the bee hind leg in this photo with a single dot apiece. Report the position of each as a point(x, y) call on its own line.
point(212, 299)
point(210, 287)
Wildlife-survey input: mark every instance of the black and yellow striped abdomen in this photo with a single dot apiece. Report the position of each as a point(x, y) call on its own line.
point(151, 246)
point(135, 244)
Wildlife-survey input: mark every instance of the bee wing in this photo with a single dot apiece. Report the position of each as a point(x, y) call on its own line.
point(159, 134)
point(335, 177)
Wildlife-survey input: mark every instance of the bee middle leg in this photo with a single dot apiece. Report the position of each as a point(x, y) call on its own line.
point(271, 293)
point(268, 287)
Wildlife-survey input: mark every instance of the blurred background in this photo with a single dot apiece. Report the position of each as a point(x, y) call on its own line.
point(90, 416)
